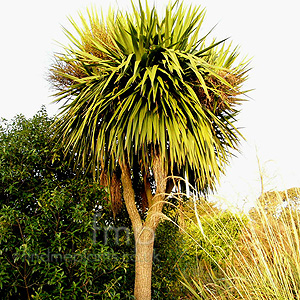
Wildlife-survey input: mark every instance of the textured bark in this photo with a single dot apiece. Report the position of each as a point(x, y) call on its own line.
point(129, 198)
point(143, 264)
point(144, 232)
point(155, 210)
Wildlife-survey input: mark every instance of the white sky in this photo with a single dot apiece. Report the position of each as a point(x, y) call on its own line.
point(266, 30)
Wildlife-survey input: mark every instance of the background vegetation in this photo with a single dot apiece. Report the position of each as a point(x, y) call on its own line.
point(46, 222)
point(48, 250)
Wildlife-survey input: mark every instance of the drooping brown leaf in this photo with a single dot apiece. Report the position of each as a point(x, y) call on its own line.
point(115, 194)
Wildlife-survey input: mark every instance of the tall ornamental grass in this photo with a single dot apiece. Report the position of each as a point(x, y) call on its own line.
point(264, 263)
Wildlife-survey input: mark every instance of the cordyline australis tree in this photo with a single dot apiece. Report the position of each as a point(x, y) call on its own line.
point(146, 100)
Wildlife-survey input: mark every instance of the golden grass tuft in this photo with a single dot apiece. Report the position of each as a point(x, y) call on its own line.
point(263, 264)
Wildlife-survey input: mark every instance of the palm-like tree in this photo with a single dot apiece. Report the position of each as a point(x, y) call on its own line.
point(146, 99)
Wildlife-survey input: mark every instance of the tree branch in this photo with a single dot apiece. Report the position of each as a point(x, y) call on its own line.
point(129, 197)
point(155, 210)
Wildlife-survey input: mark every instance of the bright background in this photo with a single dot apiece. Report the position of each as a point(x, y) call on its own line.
point(266, 30)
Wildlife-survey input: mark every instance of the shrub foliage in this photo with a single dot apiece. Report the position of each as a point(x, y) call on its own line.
point(47, 217)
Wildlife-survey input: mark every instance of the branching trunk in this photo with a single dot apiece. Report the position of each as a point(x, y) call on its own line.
point(144, 232)
point(129, 198)
point(155, 210)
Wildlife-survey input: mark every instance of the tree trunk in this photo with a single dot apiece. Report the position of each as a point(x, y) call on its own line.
point(144, 231)
point(143, 264)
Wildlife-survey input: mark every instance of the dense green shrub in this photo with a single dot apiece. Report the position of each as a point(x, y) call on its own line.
point(165, 281)
point(49, 248)
point(51, 253)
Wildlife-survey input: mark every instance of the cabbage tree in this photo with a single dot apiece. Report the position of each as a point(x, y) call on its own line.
point(144, 98)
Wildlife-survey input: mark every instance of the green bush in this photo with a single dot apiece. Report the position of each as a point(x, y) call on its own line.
point(220, 232)
point(47, 221)
point(165, 281)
